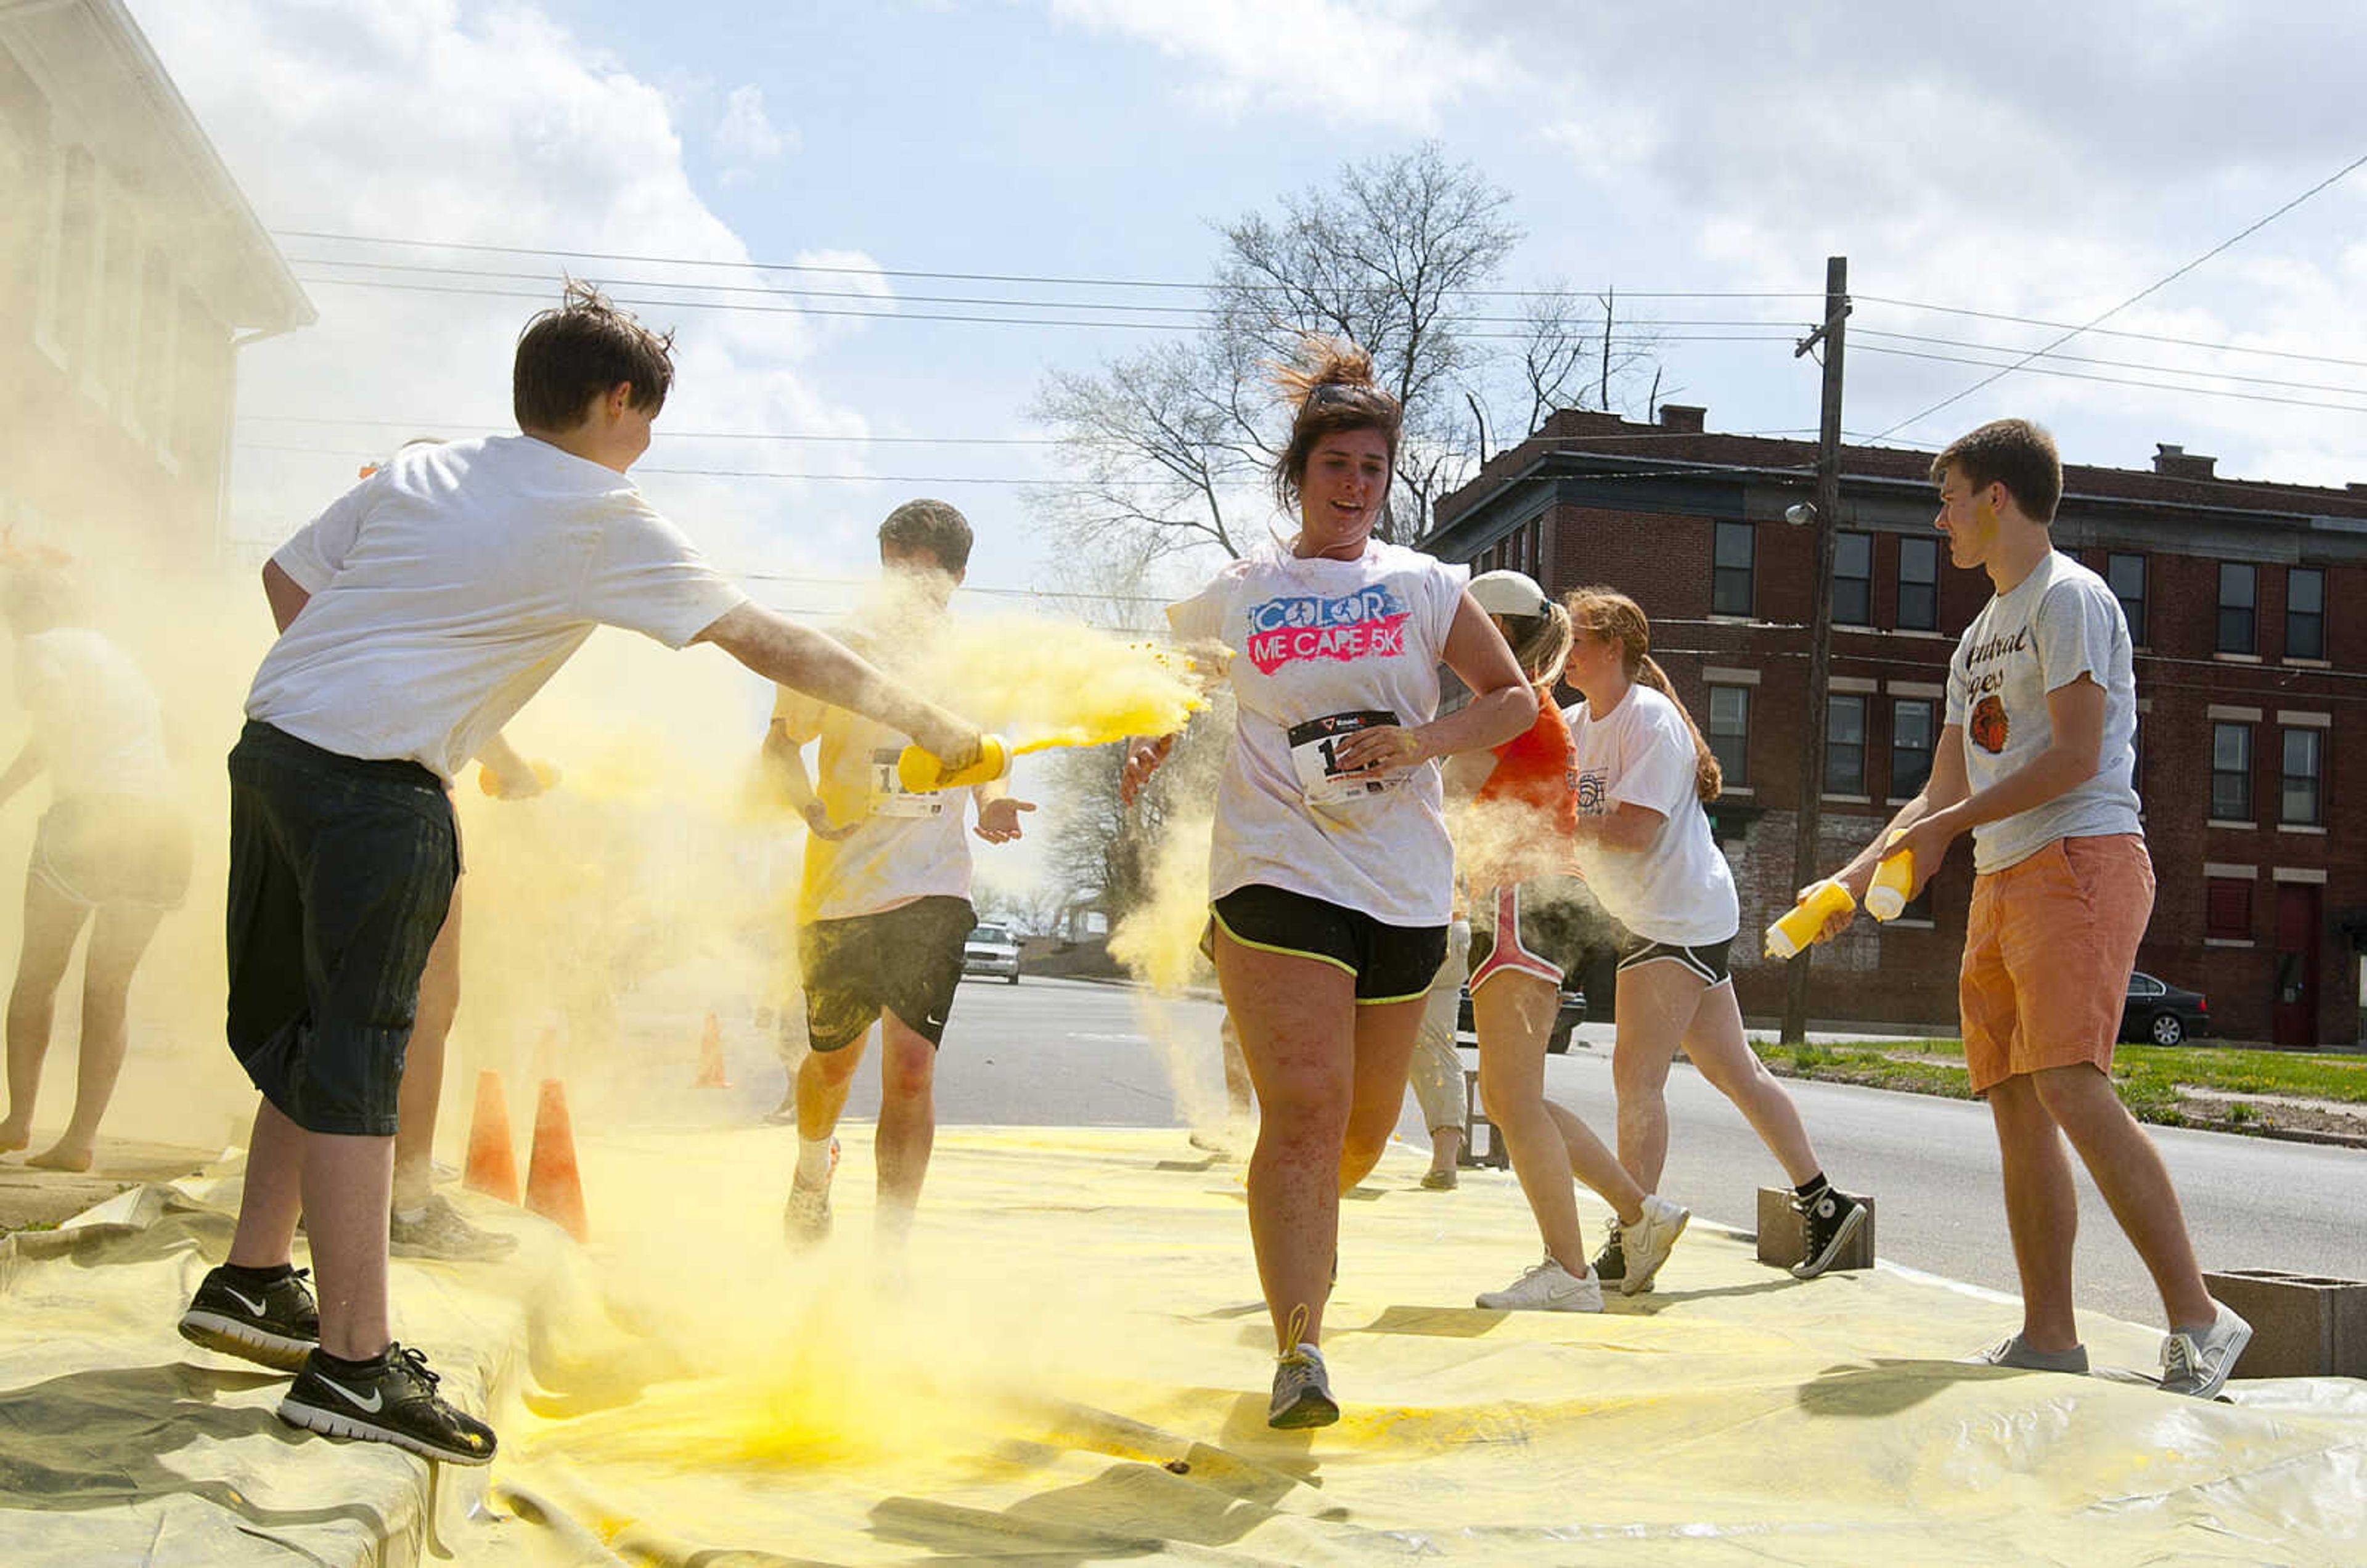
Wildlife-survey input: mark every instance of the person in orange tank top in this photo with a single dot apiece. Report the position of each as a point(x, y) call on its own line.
point(1528, 913)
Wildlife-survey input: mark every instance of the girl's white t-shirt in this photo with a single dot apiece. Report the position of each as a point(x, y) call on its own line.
point(95, 718)
point(1320, 649)
point(1677, 888)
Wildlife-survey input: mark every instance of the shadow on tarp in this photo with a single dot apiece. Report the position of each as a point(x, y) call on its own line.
point(98, 1440)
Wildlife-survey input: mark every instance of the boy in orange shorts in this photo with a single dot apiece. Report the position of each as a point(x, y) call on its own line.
point(2042, 687)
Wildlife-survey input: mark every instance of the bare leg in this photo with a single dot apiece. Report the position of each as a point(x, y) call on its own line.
point(1515, 1013)
point(52, 922)
point(823, 1080)
point(1241, 1098)
point(1446, 1148)
point(1595, 1165)
point(117, 937)
point(1656, 1003)
point(2041, 1211)
point(348, 1185)
point(908, 1113)
point(422, 1089)
point(1384, 1034)
point(2128, 1170)
point(1296, 1018)
point(1717, 1046)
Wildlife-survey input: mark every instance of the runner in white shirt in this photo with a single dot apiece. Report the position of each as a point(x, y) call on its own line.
point(451, 585)
point(1645, 847)
point(112, 851)
point(1330, 871)
point(884, 910)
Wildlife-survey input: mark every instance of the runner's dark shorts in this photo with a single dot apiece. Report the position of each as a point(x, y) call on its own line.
point(1391, 964)
point(341, 871)
point(1538, 927)
point(97, 850)
point(906, 961)
point(1706, 960)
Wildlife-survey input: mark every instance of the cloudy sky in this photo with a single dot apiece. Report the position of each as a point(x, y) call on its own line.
point(2038, 160)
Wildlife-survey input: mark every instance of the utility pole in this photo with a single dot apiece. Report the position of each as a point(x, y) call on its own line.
point(1805, 855)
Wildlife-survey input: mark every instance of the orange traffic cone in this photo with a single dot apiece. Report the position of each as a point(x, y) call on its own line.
point(553, 1188)
point(493, 1164)
point(710, 1056)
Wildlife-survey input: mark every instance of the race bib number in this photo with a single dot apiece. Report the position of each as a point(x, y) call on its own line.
point(889, 795)
point(1315, 753)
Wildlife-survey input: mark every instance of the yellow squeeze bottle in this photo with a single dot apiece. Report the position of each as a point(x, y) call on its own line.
point(1799, 929)
point(919, 770)
point(1894, 879)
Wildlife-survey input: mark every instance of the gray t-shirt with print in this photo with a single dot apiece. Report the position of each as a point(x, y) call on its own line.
point(2058, 624)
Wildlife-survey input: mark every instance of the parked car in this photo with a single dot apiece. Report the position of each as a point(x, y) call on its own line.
point(1571, 1014)
point(991, 950)
point(2158, 1013)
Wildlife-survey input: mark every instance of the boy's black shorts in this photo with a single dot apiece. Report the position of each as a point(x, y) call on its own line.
point(341, 871)
point(907, 961)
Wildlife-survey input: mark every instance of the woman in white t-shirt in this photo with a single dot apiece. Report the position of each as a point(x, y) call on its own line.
point(1331, 874)
point(112, 851)
point(1645, 847)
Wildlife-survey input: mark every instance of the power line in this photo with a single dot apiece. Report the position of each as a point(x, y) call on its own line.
point(2108, 331)
point(2121, 364)
point(778, 292)
point(990, 277)
point(2024, 364)
point(2149, 288)
point(1779, 331)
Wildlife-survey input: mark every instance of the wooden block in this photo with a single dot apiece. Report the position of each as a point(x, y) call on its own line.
point(2303, 1325)
point(1783, 1233)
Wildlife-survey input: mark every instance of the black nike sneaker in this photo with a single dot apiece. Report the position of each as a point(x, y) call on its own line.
point(277, 1325)
point(393, 1402)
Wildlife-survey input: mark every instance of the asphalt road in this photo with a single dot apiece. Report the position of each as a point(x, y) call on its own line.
point(1072, 1052)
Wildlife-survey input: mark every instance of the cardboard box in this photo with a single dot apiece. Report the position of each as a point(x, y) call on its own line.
point(1783, 1233)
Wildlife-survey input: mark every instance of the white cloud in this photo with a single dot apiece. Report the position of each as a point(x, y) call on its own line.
point(427, 119)
point(746, 136)
point(1397, 62)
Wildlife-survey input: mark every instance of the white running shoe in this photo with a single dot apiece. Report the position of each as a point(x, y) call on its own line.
point(1647, 1242)
point(806, 1220)
point(1546, 1287)
point(2196, 1361)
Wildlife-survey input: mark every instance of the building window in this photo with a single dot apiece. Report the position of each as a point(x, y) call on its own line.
point(1919, 585)
point(1730, 732)
point(2227, 909)
point(1730, 588)
point(2304, 613)
point(1853, 580)
point(2231, 772)
point(2127, 576)
point(1845, 743)
point(2302, 753)
point(2237, 586)
point(1911, 729)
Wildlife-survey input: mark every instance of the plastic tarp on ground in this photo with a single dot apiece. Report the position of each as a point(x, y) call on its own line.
point(1069, 1367)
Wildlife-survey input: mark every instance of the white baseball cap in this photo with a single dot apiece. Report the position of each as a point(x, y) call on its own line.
point(1509, 594)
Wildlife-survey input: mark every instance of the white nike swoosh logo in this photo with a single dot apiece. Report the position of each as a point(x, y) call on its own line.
point(370, 1404)
point(243, 1300)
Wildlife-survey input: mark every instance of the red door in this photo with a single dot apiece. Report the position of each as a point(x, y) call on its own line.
point(2295, 1019)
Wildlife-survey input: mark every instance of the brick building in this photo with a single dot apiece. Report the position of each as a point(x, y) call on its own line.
point(130, 267)
point(2253, 695)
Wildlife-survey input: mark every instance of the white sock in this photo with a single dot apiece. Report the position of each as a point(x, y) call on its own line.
point(813, 1159)
point(894, 1224)
point(412, 1216)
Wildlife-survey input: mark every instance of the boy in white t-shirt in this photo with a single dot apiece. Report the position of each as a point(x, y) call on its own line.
point(2043, 687)
point(457, 580)
point(884, 911)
